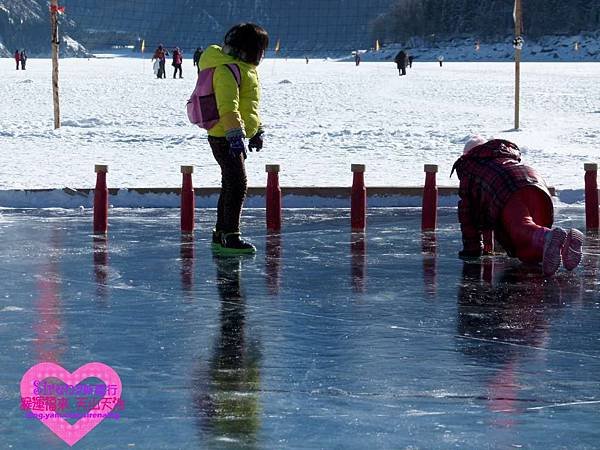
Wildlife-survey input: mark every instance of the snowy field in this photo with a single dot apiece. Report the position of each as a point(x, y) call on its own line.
point(320, 118)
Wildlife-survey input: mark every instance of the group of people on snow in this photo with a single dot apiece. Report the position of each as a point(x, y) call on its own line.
point(160, 60)
point(21, 59)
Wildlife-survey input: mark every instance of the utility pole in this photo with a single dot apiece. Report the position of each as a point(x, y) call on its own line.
point(518, 45)
point(54, 10)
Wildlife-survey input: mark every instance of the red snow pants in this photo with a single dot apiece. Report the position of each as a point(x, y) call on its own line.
point(526, 217)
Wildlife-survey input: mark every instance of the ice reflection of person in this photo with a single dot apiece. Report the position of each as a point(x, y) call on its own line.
point(226, 393)
point(500, 325)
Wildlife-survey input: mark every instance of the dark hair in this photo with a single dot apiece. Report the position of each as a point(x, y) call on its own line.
point(246, 41)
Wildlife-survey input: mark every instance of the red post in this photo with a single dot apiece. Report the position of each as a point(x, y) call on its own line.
point(273, 198)
point(188, 202)
point(358, 203)
point(591, 196)
point(100, 200)
point(430, 199)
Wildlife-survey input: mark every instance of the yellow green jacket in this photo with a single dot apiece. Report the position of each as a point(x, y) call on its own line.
point(238, 108)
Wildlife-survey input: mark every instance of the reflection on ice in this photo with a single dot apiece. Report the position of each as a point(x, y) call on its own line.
point(226, 387)
point(329, 339)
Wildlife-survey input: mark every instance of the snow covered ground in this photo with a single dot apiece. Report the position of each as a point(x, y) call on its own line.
point(320, 118)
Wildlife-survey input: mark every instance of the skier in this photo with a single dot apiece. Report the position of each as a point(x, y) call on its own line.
point(177, 62)
point(401, 61)
point(23, 57)
point(357, 58)
point(440, 59)
point(17, 58)
point(244, 45)
point(497, 192)
point(410, 60)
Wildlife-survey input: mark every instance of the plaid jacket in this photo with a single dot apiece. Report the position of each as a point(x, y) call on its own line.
point(489, 174)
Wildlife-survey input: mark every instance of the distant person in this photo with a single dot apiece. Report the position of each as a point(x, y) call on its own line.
point(499, 193)
point(306, 57)
point(17, 58)
point(160, 55)
point(197, 55)
point(23, 57)
point(357, 58)
point(401, 61)
point(244, 45)
point(410, 60)
point(440, 59)
point(177, 62)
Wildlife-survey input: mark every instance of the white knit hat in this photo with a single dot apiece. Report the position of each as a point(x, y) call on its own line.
point(473, 142)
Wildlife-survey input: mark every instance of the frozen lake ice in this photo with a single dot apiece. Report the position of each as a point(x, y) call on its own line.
point(324, 339)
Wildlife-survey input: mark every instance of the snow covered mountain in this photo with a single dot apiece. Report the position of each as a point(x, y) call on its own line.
point(303, 27)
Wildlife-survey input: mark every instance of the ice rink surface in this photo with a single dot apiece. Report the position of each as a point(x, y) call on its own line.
point(324, 339)
point(319, 118)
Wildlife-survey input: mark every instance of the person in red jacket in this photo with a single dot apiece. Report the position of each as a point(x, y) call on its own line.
point(17, 58)
point(497, 192)
point(177, 62)
point(160, 54)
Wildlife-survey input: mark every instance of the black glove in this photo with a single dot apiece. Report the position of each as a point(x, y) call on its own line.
point(256, 141)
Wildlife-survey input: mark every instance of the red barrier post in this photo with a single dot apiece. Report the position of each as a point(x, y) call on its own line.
point(591, 196)
point(100, 200)
point(273, 198)
point(430, 199)
point(188, 202)
point(358, 203)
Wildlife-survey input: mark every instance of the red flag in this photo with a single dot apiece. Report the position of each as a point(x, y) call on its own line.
point(57, 9)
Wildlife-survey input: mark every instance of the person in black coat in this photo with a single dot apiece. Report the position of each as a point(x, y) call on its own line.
point(401, 61)
point(23, 57)
point(197, 55)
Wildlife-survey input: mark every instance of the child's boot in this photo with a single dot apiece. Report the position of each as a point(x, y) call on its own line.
point(553, 244)
point(233, 244)
point(571, 251)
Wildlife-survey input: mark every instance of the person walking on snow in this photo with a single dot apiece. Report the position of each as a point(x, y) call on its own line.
point(440, 59)
point(244, 45)
point(197, 55)
point(17, 58)
point(160, 54)
point(499, 193)
point(401, 61)
point(23, 57)
point(177, 62)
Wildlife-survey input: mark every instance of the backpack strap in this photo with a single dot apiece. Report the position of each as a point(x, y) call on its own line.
point(235, 71)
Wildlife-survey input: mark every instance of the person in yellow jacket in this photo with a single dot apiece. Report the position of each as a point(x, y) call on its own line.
point(244, 45)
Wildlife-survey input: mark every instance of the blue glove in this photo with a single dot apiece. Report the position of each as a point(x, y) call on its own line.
point(235, 139)
point(256, 141)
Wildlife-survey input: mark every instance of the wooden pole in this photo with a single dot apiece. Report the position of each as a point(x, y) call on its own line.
point(518, 29)
point(55, 43)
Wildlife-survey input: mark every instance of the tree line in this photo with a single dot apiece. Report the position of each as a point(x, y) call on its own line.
point(485, 19)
